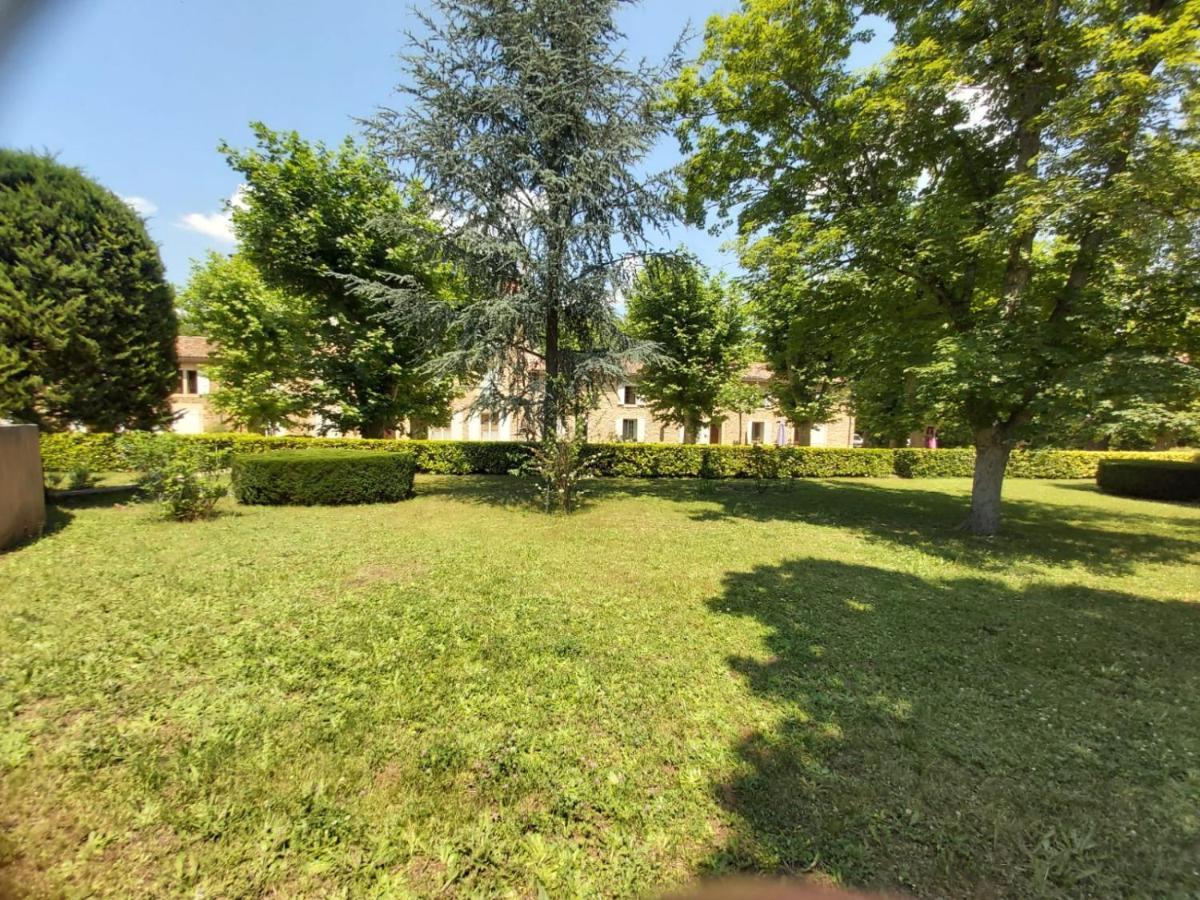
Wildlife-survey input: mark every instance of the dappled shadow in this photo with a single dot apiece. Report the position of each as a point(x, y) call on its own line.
point(963, 738)
point(931, 520)
point(1052, 533)
point(503, 491)
point(488, 490)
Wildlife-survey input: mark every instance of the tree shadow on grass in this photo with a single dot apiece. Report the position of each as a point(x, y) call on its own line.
point(961, 738)
point(931, 521)
point(1060, 533)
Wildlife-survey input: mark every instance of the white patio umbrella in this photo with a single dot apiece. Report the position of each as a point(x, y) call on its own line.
point(781, 435)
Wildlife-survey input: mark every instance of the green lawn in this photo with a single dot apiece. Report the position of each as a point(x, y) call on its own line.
point(459, 696)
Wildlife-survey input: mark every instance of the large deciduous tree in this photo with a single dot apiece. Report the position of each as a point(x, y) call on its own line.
point(980, 210)
point(311, 217)
point(527, 127)
point(87, 320)
point(261, 340)
point(699, 326)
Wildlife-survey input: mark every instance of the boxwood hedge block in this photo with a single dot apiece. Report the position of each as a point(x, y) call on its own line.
point(322, 477)
point(1151, 479)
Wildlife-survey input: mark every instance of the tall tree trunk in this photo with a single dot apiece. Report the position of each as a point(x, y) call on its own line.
point(373, 429)
point(550, 400)
point(691, 431)
point(992, 448)
point(418, 428)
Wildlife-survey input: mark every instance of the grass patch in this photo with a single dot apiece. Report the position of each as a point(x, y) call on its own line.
point(459, 696)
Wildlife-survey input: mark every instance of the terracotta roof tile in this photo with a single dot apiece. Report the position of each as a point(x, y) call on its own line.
point(191, 347)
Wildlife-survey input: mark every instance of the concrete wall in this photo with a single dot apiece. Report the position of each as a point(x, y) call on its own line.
point(22, 495)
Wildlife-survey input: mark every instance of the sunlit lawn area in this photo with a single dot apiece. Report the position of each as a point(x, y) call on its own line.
point(459, 696)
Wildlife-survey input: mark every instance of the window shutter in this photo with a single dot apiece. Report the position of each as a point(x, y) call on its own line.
point(641, 429)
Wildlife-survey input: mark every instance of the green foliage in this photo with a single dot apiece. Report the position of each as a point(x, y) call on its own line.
point(1144, 403)
point(740, 398)
point(959, 463)
point(183, 477)
point(87, 320)
point(699, 326)
point(66, 450)
point(1006, 202)
point(261, 348)
point(561, 467)
point(312, 218)
point(757, 461)
point(1155, 480)
point(322, 477)
point(107, 452)
point(469, 457)
point(529, 129)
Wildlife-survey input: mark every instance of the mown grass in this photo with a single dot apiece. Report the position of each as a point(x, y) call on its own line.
point(459, 696)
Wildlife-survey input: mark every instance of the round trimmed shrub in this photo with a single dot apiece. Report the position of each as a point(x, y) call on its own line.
point(1151, 479)
point(322, 477)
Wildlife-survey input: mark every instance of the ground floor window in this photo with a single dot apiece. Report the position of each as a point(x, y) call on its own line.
point(489, 426)
point(629, 429)
point(189, 381)
point(758, 432)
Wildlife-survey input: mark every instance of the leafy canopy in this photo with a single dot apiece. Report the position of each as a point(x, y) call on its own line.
point(699, 326)
point(87, 320)
point(310, 218)
point(1007, 199)
point(261, 342)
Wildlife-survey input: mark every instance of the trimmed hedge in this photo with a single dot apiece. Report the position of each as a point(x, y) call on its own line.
point(706, 461)
point(1151, 479)
point(103, 452)
point(320, 477)
point(1056, 464)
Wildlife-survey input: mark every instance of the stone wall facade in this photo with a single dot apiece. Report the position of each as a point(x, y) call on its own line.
point(22, 489)
point(621, 415)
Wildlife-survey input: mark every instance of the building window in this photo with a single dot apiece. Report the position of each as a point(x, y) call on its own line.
point(189, 381)
point(629, 395)
point(629, 429)
point(758, 431)
point(489, 426)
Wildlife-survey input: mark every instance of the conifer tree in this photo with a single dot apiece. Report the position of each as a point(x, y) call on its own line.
point(87, 320)
point(527, 128)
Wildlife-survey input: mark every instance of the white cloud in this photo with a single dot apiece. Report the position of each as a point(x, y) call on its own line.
point(213, 225)
point(141, 205)
point(218, 225)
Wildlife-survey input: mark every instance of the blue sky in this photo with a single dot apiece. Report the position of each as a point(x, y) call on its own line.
point(139, 92)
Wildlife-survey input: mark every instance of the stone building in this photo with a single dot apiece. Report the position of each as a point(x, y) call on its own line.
point(622, 414)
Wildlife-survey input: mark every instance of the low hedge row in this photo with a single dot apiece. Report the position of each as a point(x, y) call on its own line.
point(320, 477)
point(700, 461)
point(1151, 479)
point(1053, 464)
point(103, 452)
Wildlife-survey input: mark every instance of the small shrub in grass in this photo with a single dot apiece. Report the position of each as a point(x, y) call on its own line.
point(561, 467)
point(184, 479)
point(1151, 479)
point(322, 477)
